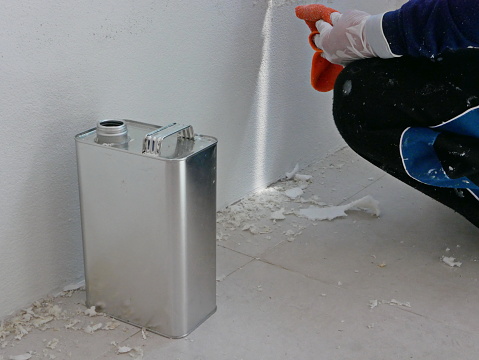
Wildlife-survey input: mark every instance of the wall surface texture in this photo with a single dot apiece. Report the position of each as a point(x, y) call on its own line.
point(234, 69)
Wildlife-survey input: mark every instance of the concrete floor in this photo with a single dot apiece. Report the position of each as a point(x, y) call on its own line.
point(359, 287)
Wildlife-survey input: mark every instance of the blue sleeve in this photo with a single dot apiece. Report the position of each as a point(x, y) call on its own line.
point(430, 27)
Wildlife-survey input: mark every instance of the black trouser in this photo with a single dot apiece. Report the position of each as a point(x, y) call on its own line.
point(375, 100)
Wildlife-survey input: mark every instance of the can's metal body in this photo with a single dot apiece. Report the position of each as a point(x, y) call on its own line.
point(148, 208)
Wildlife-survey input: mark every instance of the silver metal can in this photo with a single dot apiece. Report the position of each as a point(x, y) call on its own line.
point(148, 209)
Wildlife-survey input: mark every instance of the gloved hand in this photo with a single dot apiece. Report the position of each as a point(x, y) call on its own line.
point(344, 41)
point(323, 73)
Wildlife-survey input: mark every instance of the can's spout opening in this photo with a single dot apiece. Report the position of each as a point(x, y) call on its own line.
point(111, 132)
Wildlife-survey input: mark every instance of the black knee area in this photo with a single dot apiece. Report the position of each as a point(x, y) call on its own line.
point(369, 108)
point(352, 105)
point(347, 98)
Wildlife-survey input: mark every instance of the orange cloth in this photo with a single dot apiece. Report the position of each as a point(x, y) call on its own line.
point(323, 73)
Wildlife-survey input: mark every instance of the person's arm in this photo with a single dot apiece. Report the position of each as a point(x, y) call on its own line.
point(430, 27)
point(418, 28)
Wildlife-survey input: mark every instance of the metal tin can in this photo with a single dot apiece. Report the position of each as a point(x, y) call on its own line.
point(148, 209)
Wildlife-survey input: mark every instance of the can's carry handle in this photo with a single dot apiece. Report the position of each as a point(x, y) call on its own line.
point(153, 140)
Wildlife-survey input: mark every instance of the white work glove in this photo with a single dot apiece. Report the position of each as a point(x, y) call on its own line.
point(346, 40)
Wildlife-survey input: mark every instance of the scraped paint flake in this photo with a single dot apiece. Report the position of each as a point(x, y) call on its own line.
point(367, 204)
point(451, 261)
point(393, 302)
point(21, 357)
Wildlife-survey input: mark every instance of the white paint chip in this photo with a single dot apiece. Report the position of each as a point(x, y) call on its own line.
point(111, 325)
point(91, 311)
point(367, 204)
point(53, 343)
point(124, 349)
point(41, 321)
point(375, 303)
point(290, 175)
point(21, 357)
point(449, 260)
point(56, 311)
point(278, 215)
point(294, 192)
point(91, 329)
point(72, 323)
point(302, 177)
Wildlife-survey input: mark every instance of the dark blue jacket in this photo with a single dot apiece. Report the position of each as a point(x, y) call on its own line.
point(430, 27)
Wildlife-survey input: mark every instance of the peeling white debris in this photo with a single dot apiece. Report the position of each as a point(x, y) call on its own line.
point(91, 329)
point(290, 175)
point(291, 234)
point(278, 215)
point(302, 177)
point(35, 317)
point(367, 204)
point(136, 352)
point(111, 325)
point(52, 344)
point(124, 349)
point(253, 229)
point(42, 321)
point(143, 333)
point(251, 209)
point(375, 303)
point(72, 323)
point(294, 193)
point(449, 260)
point(399, 303)
point(56, 311)
point(20, 332)
point(21, 357)
point(91, 311)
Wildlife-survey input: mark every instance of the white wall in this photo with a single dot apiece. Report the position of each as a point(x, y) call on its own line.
point(234, 69)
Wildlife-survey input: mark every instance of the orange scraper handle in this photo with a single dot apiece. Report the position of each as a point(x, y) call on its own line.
point(323, 73)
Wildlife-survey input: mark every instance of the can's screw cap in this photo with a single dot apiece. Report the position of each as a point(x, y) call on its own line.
point(112, 132)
